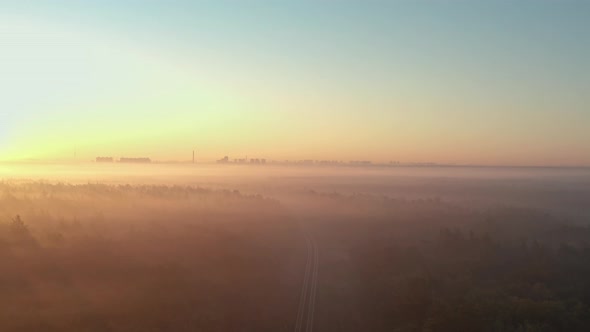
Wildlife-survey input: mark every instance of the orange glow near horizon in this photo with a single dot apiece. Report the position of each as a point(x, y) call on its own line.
point(77, 90)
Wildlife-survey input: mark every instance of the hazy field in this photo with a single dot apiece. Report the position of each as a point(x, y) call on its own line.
point(164, 247)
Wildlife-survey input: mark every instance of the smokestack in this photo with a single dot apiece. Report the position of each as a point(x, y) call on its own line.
point(193, 156)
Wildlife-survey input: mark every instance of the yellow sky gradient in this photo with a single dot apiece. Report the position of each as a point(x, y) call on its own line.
point(80, 91)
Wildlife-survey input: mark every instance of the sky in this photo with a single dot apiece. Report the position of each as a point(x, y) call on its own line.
point(464, 82)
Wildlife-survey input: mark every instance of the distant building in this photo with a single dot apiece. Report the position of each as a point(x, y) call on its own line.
point(223, 160)
point(361, 162)
point(327, 162)
point(135, 160)
point(104, 159)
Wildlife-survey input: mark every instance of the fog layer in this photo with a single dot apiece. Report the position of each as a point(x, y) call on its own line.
point(223, 248)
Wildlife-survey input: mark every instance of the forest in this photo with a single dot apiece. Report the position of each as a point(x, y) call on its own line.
point(154, 257)
point(142, 258)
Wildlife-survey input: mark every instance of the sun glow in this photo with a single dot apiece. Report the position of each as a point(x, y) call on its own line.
point(85, 82)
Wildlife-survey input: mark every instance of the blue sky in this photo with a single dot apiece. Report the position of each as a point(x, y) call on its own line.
point(491, 82)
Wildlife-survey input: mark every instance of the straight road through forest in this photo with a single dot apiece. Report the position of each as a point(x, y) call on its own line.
point(306, 310)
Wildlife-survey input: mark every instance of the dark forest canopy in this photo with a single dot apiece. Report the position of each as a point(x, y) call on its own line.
point(97, 257)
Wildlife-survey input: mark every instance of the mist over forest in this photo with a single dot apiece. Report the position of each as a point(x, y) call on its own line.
point(294, 166)
point(213, 248)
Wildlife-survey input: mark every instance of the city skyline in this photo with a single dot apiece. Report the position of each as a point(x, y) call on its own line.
point(258, 160)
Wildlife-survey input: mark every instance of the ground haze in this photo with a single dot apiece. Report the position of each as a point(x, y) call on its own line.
point(90, 247)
